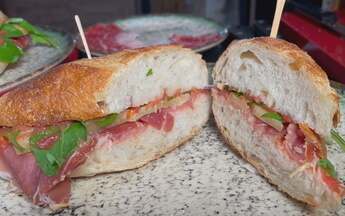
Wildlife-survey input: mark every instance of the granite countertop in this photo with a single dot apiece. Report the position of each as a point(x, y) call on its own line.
point(202, 177)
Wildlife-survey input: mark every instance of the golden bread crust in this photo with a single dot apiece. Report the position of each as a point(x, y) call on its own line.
point(64, 93)
point(72, 91)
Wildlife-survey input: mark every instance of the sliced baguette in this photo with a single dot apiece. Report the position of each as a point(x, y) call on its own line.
point(284, 77)
point(87, 89)
point(262, 152)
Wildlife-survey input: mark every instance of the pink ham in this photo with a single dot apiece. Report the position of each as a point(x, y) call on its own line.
point(4, 170)
point(295, 143)
point(190, 41)
point(43, 190)
point(122, 131)
point(29, 177)
point(108, 38)
point(160, 119)
point(22, 42)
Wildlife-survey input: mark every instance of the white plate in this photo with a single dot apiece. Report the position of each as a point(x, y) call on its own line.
point(36, 60)
point(156, 29)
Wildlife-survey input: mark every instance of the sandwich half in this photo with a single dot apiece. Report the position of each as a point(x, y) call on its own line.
point(107, 114)
point(274, 105)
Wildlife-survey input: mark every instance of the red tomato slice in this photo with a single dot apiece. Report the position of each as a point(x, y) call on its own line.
point(332, 183)
point(3, 143)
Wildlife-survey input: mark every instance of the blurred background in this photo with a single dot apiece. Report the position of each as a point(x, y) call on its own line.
point(317, 26)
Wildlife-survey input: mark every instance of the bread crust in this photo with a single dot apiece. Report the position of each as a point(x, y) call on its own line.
point(72, 91)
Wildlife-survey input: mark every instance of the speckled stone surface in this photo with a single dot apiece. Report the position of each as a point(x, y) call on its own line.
point(202, 177)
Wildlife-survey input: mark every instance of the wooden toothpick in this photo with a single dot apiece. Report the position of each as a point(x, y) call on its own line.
point(82, 35)
point(277, 16)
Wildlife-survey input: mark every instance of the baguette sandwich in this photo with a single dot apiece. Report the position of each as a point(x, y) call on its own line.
point(274, 105)
point(107, 114)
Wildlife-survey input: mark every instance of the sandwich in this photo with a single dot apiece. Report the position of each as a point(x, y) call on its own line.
point(274, 106)
point(102, 115)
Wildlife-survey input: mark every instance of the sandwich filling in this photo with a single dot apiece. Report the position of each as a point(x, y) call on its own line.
point(297, 141)
point(40, 159)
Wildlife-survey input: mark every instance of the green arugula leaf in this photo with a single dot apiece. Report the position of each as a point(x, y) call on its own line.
point(11, 30)
point(34, 139)
point(12, 138)
point(37, 36)
point(149, 72)
point(328, 167)
point(45, 40)
point(51, 160)
point(25, 25)
point(49, 166)
point(9, 52)
point(273, 115)
point(338, 139)
point(106, 121)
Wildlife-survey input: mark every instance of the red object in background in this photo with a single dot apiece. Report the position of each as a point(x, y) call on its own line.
point(74, 55)
point(108, 38)
point(341, 16)
point(102, 37)
point(326, 47)
point(194, 41)
point(23, 41)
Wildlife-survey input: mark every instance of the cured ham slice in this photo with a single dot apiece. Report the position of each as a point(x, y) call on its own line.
point(294, 143)
point(190, 41)
point(27, 175)
point(108, 38)
point(23, 42)
point(162, 119)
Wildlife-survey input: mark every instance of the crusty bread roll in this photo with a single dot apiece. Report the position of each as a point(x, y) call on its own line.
point(262, 153)
point(281, 79)
point(286, 78)
point(87, 89)
point(151, 144)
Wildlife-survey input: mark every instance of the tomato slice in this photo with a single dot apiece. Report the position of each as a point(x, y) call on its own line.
point(332, 183)
point(3, 143)
point(132, 111)
point(309, 152)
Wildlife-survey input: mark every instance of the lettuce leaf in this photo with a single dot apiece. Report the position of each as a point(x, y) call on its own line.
point(51, 160)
